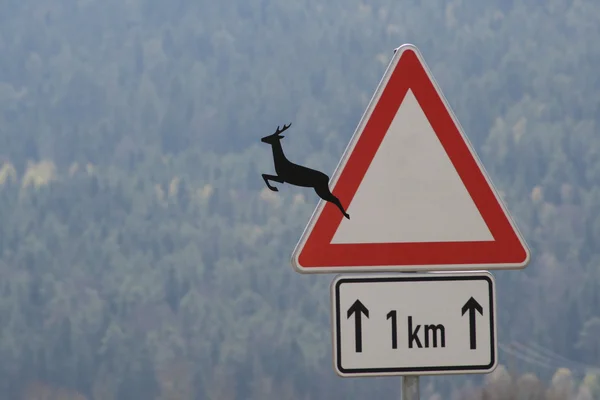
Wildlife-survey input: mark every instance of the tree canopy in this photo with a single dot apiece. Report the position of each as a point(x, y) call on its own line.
point(141, 255)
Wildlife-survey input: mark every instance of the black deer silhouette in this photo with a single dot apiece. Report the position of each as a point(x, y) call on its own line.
point(297, 175)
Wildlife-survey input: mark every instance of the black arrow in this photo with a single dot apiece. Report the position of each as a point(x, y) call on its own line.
point(471, 306)
point(358, 309)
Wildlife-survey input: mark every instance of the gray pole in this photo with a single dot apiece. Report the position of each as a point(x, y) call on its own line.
point(410, 388)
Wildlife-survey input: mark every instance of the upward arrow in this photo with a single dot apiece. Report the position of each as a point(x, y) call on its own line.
point(471, 306)
point(358, 309)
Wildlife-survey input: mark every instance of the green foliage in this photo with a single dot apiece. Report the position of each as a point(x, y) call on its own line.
point(141, 255)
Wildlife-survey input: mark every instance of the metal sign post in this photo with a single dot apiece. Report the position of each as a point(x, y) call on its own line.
point(410, 387)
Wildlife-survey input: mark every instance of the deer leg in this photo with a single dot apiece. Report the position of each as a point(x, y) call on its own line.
point(273, 178)
point(325, 194)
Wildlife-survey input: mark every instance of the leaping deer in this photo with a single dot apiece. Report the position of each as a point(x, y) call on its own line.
point(297, 175)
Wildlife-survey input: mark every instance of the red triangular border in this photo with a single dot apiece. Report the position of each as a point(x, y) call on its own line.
point(507, 248)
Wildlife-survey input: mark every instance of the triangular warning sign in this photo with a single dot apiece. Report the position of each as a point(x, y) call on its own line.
point(416, 192)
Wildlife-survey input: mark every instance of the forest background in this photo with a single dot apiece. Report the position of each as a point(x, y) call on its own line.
point(142, 256)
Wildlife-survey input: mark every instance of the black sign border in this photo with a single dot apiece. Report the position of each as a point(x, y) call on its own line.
point(400, 370)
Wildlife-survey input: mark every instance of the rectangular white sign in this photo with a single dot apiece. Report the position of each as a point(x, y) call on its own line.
point(414, 324)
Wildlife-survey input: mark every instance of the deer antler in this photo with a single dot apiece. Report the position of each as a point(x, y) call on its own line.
point(278, 131)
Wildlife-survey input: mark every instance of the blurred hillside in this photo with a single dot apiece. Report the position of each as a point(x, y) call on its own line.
point(141, 255)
